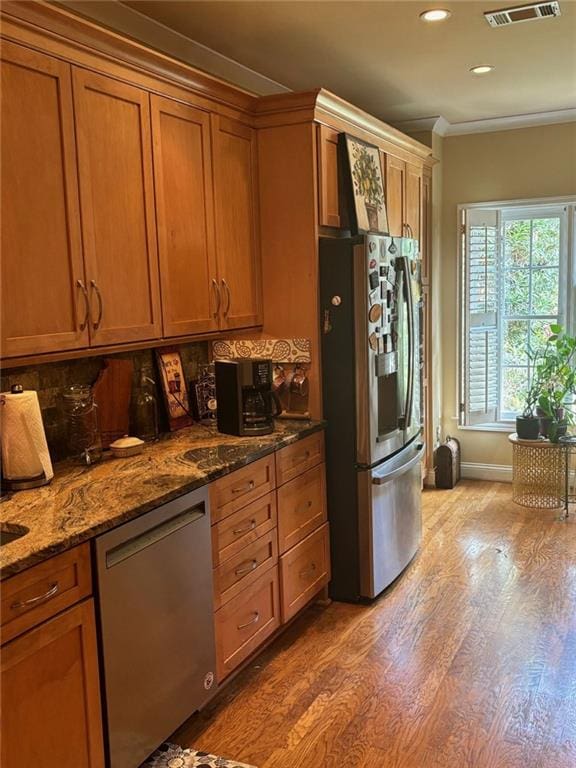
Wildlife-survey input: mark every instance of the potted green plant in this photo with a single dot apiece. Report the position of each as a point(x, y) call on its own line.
point(528, 424)
point(556, 374)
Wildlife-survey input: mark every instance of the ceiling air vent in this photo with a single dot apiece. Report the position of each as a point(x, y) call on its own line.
point(531, 12)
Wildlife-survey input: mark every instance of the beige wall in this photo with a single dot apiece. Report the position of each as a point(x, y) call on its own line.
point(505, 165)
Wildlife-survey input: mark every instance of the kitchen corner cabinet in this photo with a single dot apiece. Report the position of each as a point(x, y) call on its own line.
point(42, 270)
point(117, 198)
point(236, 212)
point(191, 299)
point(403, 192)
point(49, 682)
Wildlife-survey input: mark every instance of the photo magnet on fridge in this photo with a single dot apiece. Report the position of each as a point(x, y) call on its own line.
point(363, 186)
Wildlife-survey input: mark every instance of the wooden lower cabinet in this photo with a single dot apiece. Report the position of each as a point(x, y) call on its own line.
point(233, 576)
point(50, 694)
point(301, 507)
point(245, 622)
point(298, 457)
point(236, 490)
point(304, 570)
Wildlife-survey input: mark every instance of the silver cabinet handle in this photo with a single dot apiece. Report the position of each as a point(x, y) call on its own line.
point(96, 324)
point(250, 565)
point(52, 590)
point(228, 297)
point(82, 287)
point(253, 620)
point(216, 289)
point(250, 527)
point(248, 487)
point(308, 571)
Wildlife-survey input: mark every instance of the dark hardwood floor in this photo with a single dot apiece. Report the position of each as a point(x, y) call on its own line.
point(469, 661)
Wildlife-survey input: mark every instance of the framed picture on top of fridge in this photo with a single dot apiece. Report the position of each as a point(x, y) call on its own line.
point(363, 185)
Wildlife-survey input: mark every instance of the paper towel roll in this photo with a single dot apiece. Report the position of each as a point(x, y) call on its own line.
point(24, 448)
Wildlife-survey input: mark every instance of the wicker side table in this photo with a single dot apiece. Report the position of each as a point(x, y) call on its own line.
point(538, 473)
point(569, 491)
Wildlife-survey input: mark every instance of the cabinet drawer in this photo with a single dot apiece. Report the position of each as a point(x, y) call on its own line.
point(44, 590)
point(243, 624)
point(234, 491)
point(244, 568)
point(304, 571)
point(301, 507)
point(231, 535)
point(297, 458)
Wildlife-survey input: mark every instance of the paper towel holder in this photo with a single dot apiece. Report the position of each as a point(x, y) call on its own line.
point(23, 483)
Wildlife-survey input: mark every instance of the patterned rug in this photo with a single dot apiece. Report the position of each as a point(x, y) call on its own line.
point(173, 756)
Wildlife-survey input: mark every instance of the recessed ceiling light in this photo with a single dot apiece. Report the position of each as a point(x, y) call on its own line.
point(482, 69)
point(435, 14)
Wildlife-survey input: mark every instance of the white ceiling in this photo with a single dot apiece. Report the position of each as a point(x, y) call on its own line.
point(383, 58)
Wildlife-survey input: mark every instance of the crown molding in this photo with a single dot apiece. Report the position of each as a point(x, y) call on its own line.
point(441, 126)
point(512, 122)
point(435, 124)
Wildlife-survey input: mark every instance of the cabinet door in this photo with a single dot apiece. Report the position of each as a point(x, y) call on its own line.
point(43, 309)
point(237, 241)
point(116, 192)
point(185, 218)
point(329, 209)
point(50, 694)
point(413, 200)
point(395, 173)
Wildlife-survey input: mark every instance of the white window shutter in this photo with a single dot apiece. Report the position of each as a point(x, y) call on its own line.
point(481, 322)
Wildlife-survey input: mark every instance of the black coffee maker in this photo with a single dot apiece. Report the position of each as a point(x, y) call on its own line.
point(244, 396)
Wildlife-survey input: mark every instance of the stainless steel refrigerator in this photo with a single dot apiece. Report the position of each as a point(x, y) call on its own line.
point(371, 320)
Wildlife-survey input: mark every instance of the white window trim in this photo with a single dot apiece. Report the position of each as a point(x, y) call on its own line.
point(541, 203)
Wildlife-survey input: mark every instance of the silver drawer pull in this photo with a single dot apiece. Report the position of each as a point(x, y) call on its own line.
point(52, 590)
point(308, 571)
point(249, 527)
point(253, 620)
point(246, 567)
point(248, 487)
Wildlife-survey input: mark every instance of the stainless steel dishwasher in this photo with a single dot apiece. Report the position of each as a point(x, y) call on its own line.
point(155, 588)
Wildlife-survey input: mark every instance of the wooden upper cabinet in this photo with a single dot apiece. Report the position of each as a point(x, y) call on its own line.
point(117, 196)
point(191, 296)
point(413, 200)
point(43, 309)
point(329, 208)
point(236, 209)
point(50, 694)
point(395, 184)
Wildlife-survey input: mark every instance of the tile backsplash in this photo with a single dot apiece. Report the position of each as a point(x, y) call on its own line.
point(50, 379)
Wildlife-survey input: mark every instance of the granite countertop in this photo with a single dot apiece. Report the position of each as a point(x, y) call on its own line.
point(82, 502)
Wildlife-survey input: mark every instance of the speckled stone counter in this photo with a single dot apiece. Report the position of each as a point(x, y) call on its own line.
point(82, 502)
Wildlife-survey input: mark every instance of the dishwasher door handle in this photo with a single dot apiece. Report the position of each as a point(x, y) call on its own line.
point(136, 544)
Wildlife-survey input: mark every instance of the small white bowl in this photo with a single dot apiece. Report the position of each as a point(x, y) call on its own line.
point(126, 446)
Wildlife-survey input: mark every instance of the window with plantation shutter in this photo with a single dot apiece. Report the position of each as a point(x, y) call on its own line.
point(480, 348)
point(517, 279)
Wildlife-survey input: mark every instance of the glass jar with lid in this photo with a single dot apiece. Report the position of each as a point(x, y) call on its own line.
point(80, 411)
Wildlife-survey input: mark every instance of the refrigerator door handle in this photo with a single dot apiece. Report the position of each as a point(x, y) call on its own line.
point(410, 388)
point(386, 476)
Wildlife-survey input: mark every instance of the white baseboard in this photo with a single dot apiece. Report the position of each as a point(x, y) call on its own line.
point(498, 472)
